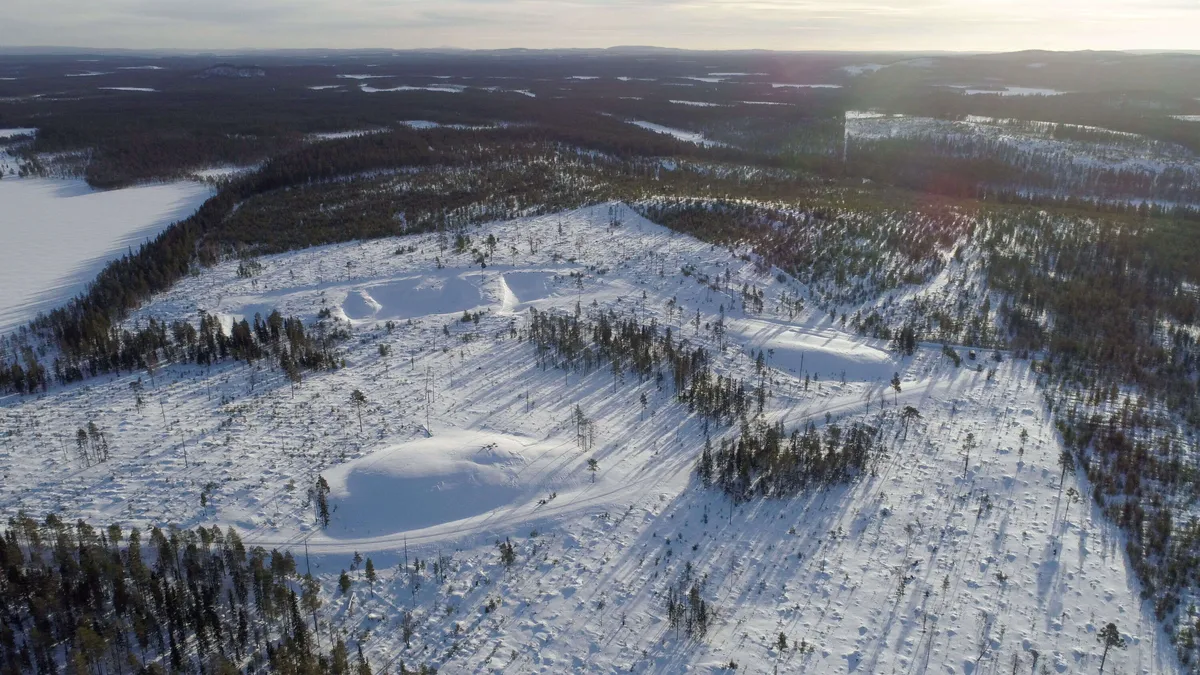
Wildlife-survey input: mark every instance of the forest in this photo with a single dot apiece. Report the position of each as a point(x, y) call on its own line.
point(110, 600)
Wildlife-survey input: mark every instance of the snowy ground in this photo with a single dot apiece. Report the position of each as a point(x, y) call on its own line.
point(1113, 150)
point(927, 564)
point(58, 234)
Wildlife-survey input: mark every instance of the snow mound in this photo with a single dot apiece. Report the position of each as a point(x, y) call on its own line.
point(828, 354)
point(424, 483)
point(530, 286)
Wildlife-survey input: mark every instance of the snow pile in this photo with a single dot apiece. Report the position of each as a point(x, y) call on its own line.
point(425, 482)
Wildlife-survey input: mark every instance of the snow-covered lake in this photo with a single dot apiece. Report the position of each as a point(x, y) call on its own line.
point(58, 234)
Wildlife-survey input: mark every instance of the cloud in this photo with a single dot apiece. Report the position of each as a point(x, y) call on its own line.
point(974, 25)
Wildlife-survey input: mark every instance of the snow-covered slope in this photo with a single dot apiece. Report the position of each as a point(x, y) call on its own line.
point(935, 560)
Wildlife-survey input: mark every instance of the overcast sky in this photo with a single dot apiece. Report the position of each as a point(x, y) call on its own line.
point(965, 25)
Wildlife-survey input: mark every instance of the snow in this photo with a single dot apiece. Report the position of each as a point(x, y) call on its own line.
point(428, 124)
point(710, 80)
point(689, 136)
point(926, 563)
point(59, 233)
point(444, 88)
point(736, 74)
point(335, 135)
point(806, 86)
point(362, 77)
point(139, 68)
point(828, 353)
point(218, 172)
point(1007, 91)
point(406, 298)
point(127, 88)
point(700, 104)
point(323, 87)
point(1187, 118)
point(89, 73)
point(430, 481)
point(864, 115)
point(765, 103)
point(17, 131)
point(859, 69)
point(1115, 150)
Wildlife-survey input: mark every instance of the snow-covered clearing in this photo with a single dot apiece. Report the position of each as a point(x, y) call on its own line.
point(683, 135)
point(933, 561)
point(1007, 91)
point(218, 172)
point(1110, 149)
point(335, 135)
point(806, 86)
point(59, 233)
point(443, 88)
point(862, 68)
point(700, 104)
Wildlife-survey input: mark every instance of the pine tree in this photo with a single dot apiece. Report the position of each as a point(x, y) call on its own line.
point(1110, 637)
point(358, 399)
point(369, 570)
point(322, 495)
point(1066, 462)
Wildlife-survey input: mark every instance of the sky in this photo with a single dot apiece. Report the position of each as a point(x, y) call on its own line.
point(874, 25)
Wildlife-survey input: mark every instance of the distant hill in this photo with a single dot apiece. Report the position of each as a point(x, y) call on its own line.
point(231, 71)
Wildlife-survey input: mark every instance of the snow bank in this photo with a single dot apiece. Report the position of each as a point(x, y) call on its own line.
point(829, 354)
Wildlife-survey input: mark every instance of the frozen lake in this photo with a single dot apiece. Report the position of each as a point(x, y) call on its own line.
point(56, 235)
